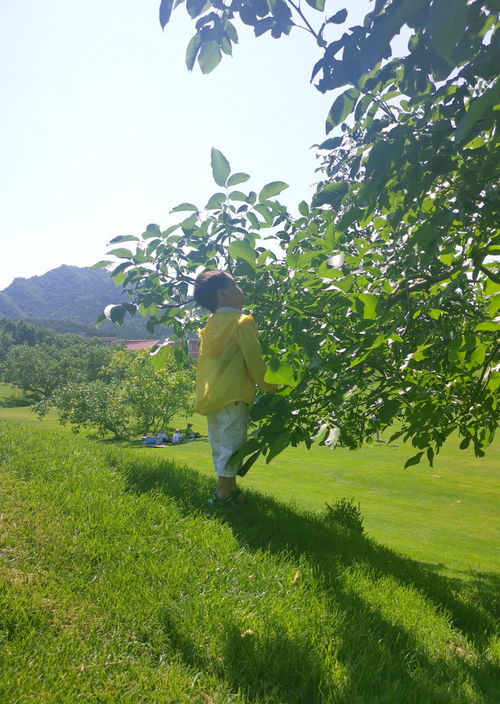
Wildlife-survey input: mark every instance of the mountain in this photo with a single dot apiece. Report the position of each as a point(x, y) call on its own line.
point(69, 299)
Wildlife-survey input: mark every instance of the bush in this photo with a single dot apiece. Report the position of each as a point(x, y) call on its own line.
point(346, 513)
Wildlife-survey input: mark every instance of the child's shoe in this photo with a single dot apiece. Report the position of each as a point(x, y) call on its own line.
point(235, 498)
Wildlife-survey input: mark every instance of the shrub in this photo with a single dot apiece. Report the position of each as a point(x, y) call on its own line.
point(346, 513)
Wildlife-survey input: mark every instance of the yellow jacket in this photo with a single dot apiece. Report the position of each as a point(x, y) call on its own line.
point(229, 363)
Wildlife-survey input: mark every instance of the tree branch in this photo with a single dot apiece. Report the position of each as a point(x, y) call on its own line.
point(304, 18)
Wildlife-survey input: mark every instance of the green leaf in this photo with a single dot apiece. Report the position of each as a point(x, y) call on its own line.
point(281, 374)
point(331, 143)
point(124, 238)
point(494, 382)
point(278, 445)
point(220, 167)
point(166, 232)
point(242, 250)
point(121, 253)
point(317, 4)
point(160, 356)
point(338, 18)
point(237, 178)
point(192, 51)
point(447, 24)
point(116, 313)
point(165, 11)
point(369, 301)
point(476, 109)
point(478, 355)
point(101, 264)
point(248, 463)
point(341, 108)
point(254, 221)
point(494, 305)
point(251, 445)
point(389, 410)
point(209, 57)
point(331, 194)
point(413, 460)
point(215, 201)
point(265, 212)
point(231, 31)
point(435, 313)
point(226, 46)
point(491, 287)
point(184, 207)
point(490, 326)
point(304, 208)
point(196, 7)
point(237, 195)
point(447, 259)
point(272, 189)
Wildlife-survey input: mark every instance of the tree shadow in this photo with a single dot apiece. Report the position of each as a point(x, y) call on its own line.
point(266, 524)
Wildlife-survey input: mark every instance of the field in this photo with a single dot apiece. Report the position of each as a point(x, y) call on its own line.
point(119, 585)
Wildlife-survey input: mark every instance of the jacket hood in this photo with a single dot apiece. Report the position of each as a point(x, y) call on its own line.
point(219, 329)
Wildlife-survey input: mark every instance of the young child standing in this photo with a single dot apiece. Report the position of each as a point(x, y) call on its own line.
point(230, 364)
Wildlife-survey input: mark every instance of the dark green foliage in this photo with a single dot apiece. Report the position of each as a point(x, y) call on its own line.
point(345, 513)
point(126, 395)
point(40, 369)
point(21, 332)
point(380, 299)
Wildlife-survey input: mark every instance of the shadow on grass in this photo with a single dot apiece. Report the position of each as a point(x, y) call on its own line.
point(397, 659)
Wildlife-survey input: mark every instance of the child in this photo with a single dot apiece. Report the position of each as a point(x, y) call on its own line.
point(229, 365)
point(189, 433)
point(177, 437)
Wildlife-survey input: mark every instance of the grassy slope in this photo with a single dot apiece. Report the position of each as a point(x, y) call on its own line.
point(119, 586)
point(447, 517)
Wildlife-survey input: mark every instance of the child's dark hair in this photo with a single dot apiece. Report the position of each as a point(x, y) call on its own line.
point(207, 285)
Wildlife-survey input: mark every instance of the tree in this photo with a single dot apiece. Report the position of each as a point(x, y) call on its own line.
point(94, 404)
point(381, 298)
point(155, 392)
point(40, 369)
point(20, 332)
point(131, 395)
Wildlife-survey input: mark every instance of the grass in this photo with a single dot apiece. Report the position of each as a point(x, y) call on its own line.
point(119, 586)
point(446, 517)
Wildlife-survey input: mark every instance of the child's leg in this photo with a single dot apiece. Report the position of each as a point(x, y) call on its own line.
point(225, 486)
point(227, 431)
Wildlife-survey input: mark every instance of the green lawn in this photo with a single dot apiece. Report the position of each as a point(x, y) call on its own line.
point(446, 517)
point(117, 584)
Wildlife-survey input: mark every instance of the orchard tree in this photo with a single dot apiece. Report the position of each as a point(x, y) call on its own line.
point(40, 369)
point(20, 332)
point(134, 393)
point(156, 390)
point(380, 300)
point(96, 405)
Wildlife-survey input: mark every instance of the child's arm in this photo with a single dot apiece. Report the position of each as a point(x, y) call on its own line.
point(252, 354)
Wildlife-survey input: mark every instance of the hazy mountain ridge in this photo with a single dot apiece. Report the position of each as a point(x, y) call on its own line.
point(69, 299)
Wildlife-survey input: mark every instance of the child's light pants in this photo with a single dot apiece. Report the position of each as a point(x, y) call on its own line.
point(227, 431)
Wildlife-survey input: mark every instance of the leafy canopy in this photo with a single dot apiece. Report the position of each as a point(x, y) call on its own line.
point(379, 302)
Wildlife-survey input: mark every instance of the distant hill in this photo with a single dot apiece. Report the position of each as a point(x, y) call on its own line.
point(69, 299)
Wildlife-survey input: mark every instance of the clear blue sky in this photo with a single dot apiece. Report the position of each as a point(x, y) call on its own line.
point(103, 129)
